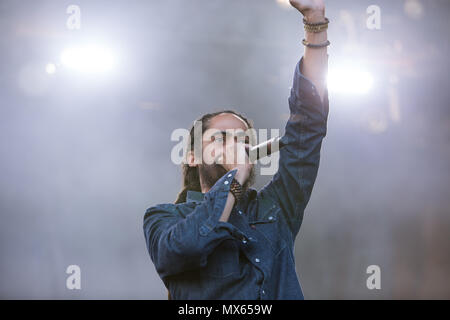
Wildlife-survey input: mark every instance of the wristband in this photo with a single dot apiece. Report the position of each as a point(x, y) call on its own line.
point(316, 27)
point(236, 190)
point(313, 45)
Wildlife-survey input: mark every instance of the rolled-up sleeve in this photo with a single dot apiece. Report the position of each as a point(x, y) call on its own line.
point(179, 243)
point(292, 184)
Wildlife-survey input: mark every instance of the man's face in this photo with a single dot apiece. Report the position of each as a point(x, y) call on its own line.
point(225, 130)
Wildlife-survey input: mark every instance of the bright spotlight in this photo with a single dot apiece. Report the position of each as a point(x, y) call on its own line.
point(349, 81)
point(50, 68)
point(88, 59)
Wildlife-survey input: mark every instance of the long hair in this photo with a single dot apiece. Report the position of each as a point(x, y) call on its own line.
point(191, 177)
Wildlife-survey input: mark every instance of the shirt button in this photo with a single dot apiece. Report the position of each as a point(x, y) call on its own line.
point(229, 175)
point(226, 182)
point(257, 260)
point(270, 218)
point(240, 212)
point(244, 241)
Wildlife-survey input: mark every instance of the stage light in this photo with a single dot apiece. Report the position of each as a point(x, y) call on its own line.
point(349, 81)
point(50, 68)
point(89, 59)
point(413, 9)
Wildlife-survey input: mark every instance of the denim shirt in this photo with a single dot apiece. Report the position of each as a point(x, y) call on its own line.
point(251, 256)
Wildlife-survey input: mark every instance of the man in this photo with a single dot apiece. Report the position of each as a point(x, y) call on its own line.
point(223, 240)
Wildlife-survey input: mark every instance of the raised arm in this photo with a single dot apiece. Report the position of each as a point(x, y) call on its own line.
point(292, 185)
point(315, 64)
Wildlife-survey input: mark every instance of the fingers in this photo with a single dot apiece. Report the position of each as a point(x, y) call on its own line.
point(241, 153)
point(236, 153)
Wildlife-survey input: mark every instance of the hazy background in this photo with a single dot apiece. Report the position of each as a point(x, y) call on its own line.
point(84, 155)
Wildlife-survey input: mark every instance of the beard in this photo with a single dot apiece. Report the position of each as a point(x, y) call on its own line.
point(210, 173)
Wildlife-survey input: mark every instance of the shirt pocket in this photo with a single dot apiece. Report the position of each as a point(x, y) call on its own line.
point(269, 226)
point(224, 261)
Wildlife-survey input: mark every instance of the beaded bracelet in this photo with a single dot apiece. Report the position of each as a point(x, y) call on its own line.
point(316, 29)
point(315, 23)
point(236, 190)
point(317, 26)
point(313, 45)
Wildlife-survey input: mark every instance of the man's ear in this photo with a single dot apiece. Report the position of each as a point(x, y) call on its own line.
point(191, 160)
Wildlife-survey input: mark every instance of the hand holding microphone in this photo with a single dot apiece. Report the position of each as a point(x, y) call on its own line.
point(234, 156)
point(244, 161)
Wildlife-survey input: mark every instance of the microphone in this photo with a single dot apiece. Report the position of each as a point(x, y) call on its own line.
point(265, 148)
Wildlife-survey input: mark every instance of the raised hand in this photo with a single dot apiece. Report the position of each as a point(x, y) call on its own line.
point(312, 10)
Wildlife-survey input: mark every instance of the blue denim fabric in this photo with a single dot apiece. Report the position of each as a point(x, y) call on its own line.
point(252, 255)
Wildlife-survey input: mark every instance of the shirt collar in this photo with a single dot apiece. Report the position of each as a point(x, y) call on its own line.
point(194, 196)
